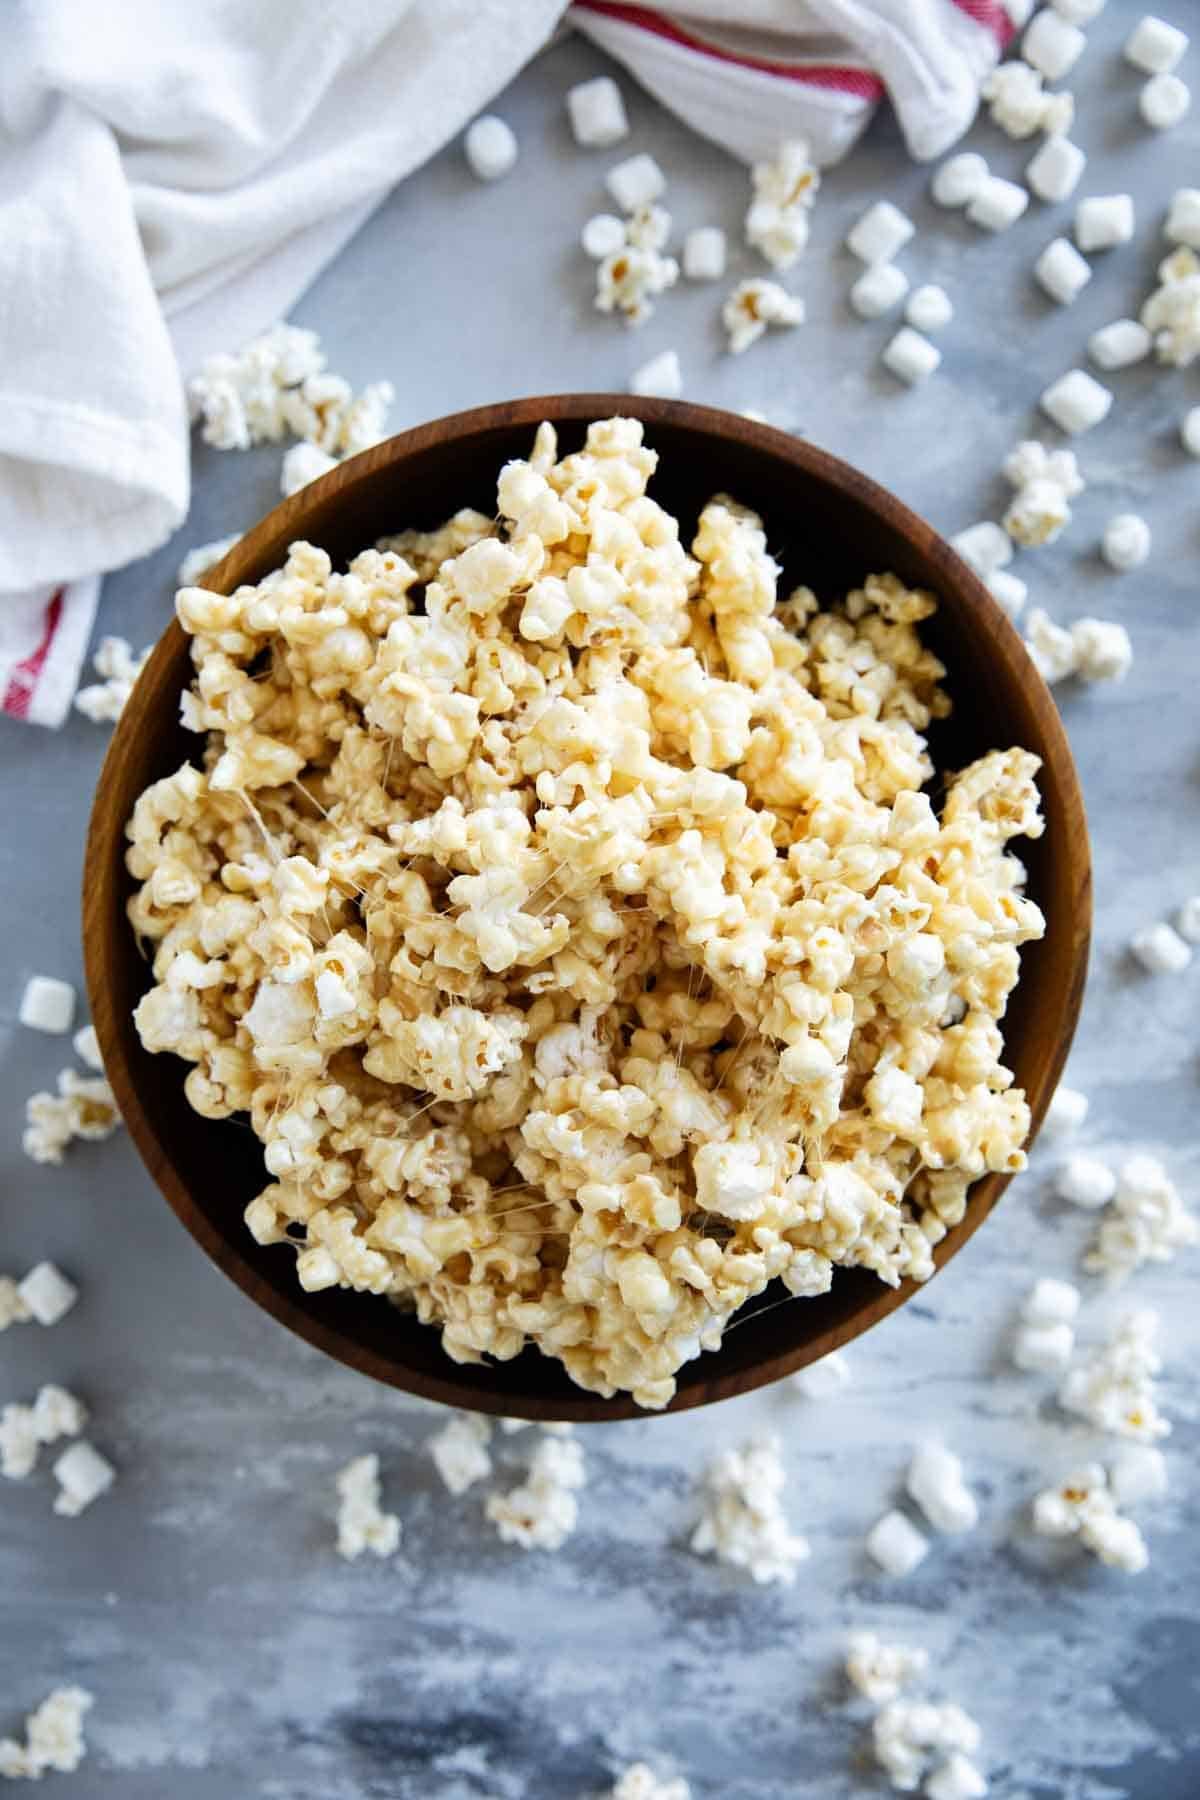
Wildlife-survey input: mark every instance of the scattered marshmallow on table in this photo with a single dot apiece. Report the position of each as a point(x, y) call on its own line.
point(1155, 46)
point(929, 308)
point(491, 147)
point(1061, 271)
point(1103, 220)
point(998, 204)
point(603, 235)
point(1055, 170)
point(1066, 1112)
point(878, 289)
point(1052, 45)
point(47, 1004)
point(1078, 12)
point(1051, 1302)
point(1147, 1222)
point(910, 356)
point(1043, 1349)
point(1051, 648)
point(1076, 402)
point(823, 1378)
point(1187, 919)
point(1085, 1181)
point(638, 181)
point(82, 1475)
point(958, 179)
point(1008, 591)
point(1183, 218)
point(1120, 344)
point(986, 546)
point(596, 110)
point(1164, 101)
point(659, 378)
point(882, 230)
point(704, 253)
point(1126, 542)
point(935, 1482)
point(1160, 949)
point(896, 1545)
point(47, 1293)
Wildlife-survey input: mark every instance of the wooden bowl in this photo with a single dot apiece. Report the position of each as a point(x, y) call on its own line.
point(831, 527)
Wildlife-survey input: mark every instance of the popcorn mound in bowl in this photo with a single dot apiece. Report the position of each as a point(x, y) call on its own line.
point(565, 910)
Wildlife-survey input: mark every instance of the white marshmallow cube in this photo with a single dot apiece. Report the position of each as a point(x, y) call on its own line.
point(998, 204)
point(823, 1378)
point(1054, 172)
point(1126, 542)
point(47, 1004)
point(1189, 431)
point(1118, 345)
point(1164, 101)
point(82, 1475)
point(910, 356)
point(638, 181)
point(1008, 591)
point(1104, 220)
point(1187, 920)
point(929, 308)
point(1061, 271)
point(1155, 46)
point(87, 1048)
point(1042, 1348)
point(986, 546)
point(882, 230)
point(1076, 402)
point(704, 253)
point(491, 147)
point(603, 235)
point(878, 289)
point(1078, 12)
point(1066, 1112)
point(935, 1482)
point(47, 1293)
point(1160, 949)
point(959, 179)
point(1019, 12)
point(659, 378)
point(1085, 1181)
point(1052, 45)
point(896, 1545)
point(597, 112)
point(1138, 1472)
point(1183, 218)
point(1051, 1302)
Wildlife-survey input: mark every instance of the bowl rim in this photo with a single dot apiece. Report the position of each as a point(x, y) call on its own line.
point(104, 871)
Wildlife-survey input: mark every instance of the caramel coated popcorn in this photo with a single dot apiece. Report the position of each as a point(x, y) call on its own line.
point(564, 905)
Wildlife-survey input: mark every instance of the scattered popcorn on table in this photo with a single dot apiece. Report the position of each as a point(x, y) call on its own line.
point(1114, 1388)
point(1076, 402)
point(877, 1670)
point(47, 1004)
point(114, 661)
point(744, 1523)
point(1066, 1112)
point(1051, 647)
point(1182, 224)
point(204, 557)
point(82, 1108)
point(1083, 1506)
point(1147, 1222)
point(1155, 46)
point(1030, 461)
point(48, 1294)
point(823, 1378)
point(240, 396)
point(1061, 271)
point(83, 1475)
point(752, 306)
point(661, 377)
point(1187, 920)
point(704, 253)
point(325, 411)
point(1172, 312)
point(911, 357)
point(87, 1048)
point(959, 179)
point(361, 1523)
point(935, 1481)
point(1085, 1181)
point(877, 290)
point(1160, 949)
point(929, 308)
point(18, 1441)
point(636, 182)
point(1052, 44)
point(784, 191)
point(596, 109)
point(542, 1512)
point(1102, 650)
point(1137, 1472)
point(957, 1778)
point(1164, 101)
point(1126, 542)
point(628, 278)
point(1019, 105)
point(998, 204)
point(57, 1414)
point(459, 1451)
point(986, 546)
point(1055, 169)
point(301, 464)
point(1037, 514)
point(13, 1310)
point(639, 1782)
point(603, 235)
point(1103, 221)
point(896, 1545)
point(1120, 344)
point(490, 146)
point(53, 1737)
point(910, 1734)
point(881, 231)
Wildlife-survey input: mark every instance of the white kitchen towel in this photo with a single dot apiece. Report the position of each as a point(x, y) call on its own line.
point(174, 174)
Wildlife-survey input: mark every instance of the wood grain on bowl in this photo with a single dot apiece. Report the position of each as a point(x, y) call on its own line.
point(830, 526)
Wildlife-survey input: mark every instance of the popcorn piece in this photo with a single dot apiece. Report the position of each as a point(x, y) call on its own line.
point(1102, 650)
point(301, 464)
point(48, 1294)
point(1052, 45)
point(935, 1482)
point(956, 1779)
point(1114, 1389)
point(1138, 1472)
point(823, 1378)
point(1160, 949)
point(204, 557)
point(1008, 590)
point(877, 1670)
point(1062, 271)
point(1041, 1348)
point(240, 398)
point(1085, 1181)
point(908, 1734)
point(82, 1475)
point(1172, 312)
point(959, 179)
point(1148, 1222)
point(878, 289)
point(57, 1414)
point(1155, 46)
point(630, 276)
point(114, 661)
point(1037, 514)
point(13, 1310)
point(929, 308)
point(744, 1522)
point(491, 147)
point(1031, 462)
point(896, 1545)
point(362, 1524)
point(459, 1451)
point(1083, 1506)
point(998, 204)
point(603, 235)
point(639, 1782)
point(1051, 648)
point(596, 109)
point(53, 1737)
point(1183, 218)
point(911, 357)
point(986, 546)
point(18, 1441)
point(1055, 169)
point(86, 1046)
point(881, 231)
point(784, 191)
point(1018, 104)
point(636, 182)
point(1126, 542)
point(1187, 920)
point(704, 253)
point(752, 306)
point(47, 1004)
point(1104, 220)
point(1076, 402)
point(1118, 345)
point(1066, 1112)
point(1164, 101)
point(542, 1513)
point(81, 1109)
point(660, 377)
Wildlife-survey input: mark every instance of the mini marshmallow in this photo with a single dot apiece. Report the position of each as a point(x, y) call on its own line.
point(1187, 920)
point(910, 356)
point(704, 253)
point(1189, 431)
point(1054, 172)
point(896, 1545)
point(986, 546)
point(1076, 402)
point(1160, 949)
point(1104, 220)
point(823, 1378)
point(47, 1293)
point(603, 235)
point(1051, 1302)
point(1126, 542)
point(929, 308)
point(1043, 1349)
point(878, 289)
point(1138, 1472)
point(1052, 45)
point(1066, 1112)
point(491, 147)
point(935, 1482)
point(597, 113)
point(1164, 101)
point(957, 1778)
point(959, 179)
point(660, 377)
point(882, 230)
point(1062, 271)
point(1019, 12)
point(87, 1048)
point(638, 181)
point(1183, 218)
point(1085, 1181)
point(1078, 12)
point(82, 1475)
point(1155, 46)
point(1008, 591)
point(998, 204)
point(47, 1004)
point(1118, 345)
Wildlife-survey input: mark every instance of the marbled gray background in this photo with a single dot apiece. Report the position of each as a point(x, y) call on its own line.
point(230, 1651)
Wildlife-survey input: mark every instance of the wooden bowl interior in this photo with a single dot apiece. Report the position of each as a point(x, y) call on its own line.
point(830, 527)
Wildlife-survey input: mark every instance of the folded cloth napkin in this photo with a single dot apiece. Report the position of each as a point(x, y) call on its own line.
point(174, 174)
